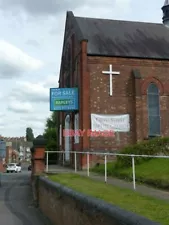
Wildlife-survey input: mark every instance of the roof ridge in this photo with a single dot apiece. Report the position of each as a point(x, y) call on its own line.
point(115, 20)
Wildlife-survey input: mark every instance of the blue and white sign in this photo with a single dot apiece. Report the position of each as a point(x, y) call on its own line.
point(2, 149)
point(64, 99)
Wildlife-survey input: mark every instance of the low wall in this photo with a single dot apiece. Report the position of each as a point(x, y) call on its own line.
point(64, 206)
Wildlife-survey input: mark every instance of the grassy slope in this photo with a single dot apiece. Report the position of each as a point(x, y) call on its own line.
point(154, 172)
point(156, 210)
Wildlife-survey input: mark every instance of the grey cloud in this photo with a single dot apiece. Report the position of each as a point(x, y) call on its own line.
point(34, 118)
point(9, 71)
point(34, 43)
point(14, 62)
point(2, 123)
point(41, 7)
point(31, 97)
point(22, 94)
point(53, 31)
point(10, 108)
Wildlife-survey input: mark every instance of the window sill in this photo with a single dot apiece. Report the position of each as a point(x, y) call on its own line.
point(151, 136)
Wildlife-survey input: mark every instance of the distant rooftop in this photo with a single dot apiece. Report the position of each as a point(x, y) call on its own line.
point(13, 138)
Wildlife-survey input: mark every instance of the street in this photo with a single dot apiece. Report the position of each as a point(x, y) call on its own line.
point(16, 202)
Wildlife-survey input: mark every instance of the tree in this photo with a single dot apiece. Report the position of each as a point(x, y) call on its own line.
point(29, 134)
point(51, 134)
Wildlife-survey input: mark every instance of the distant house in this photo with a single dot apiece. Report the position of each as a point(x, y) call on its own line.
point(18, 147)
point(24, 151)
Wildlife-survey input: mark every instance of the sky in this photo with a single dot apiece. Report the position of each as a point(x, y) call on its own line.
point(31, 41)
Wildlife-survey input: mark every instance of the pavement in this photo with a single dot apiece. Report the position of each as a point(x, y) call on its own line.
point(16, 201)
point(142, 189)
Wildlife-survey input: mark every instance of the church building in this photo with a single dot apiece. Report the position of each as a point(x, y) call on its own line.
point(121, 70)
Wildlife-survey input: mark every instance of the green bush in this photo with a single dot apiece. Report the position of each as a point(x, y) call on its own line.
point(155, 146)
point(52, 158)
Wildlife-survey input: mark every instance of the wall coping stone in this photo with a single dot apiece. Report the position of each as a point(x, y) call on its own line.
point(39, 141)
point(123, 217)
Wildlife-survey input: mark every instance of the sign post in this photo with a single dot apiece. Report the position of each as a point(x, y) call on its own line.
point(63, 100)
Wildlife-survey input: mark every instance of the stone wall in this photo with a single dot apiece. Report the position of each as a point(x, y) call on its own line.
point(64, 206)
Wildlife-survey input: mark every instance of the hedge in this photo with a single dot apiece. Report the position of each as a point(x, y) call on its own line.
point(155, 146)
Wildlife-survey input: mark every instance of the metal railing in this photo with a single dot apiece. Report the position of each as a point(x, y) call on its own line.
point(106, 154)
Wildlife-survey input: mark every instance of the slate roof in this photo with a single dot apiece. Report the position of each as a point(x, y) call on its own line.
point(125, 38)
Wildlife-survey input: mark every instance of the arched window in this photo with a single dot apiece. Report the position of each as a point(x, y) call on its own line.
point(67, 138)
point(153, 110)
point(76, 127)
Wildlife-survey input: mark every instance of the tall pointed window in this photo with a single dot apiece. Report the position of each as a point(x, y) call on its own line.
point(76, 122)
point(153, 110)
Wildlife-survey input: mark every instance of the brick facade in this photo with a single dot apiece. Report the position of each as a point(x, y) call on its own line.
point(129, 95)
point(129, 92)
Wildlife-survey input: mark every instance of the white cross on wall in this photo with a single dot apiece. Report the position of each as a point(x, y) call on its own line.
point(111, 72)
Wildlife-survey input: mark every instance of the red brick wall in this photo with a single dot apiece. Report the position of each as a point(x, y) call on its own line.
point(125, 88)
point(38, 161)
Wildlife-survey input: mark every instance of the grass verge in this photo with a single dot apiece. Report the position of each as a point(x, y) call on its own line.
point(154, 172)
point(153, 209)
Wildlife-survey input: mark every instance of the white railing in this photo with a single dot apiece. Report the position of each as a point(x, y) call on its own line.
point(106, 154)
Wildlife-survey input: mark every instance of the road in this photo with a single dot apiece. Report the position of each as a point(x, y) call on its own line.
point(16, 202)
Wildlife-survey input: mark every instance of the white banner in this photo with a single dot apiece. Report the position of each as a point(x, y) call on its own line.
point(116, 123)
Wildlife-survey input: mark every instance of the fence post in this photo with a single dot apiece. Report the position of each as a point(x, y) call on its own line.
point(63, 158)
point(105, 168)
point(75, 163)
point(88, 164)
point(133, 171)
point(47, 160)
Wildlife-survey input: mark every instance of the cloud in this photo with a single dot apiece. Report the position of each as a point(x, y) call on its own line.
point(2, 122)
point(123, 5)
point(1, 96)
point(31, 92)
point(19, 123)
point(35, 125)
point(34, 43)
point(18, 107)
point(14, 62)
point(34, 118)
point(51, 81)
point(34, 92)
point(40, 7)
point(54, 7)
